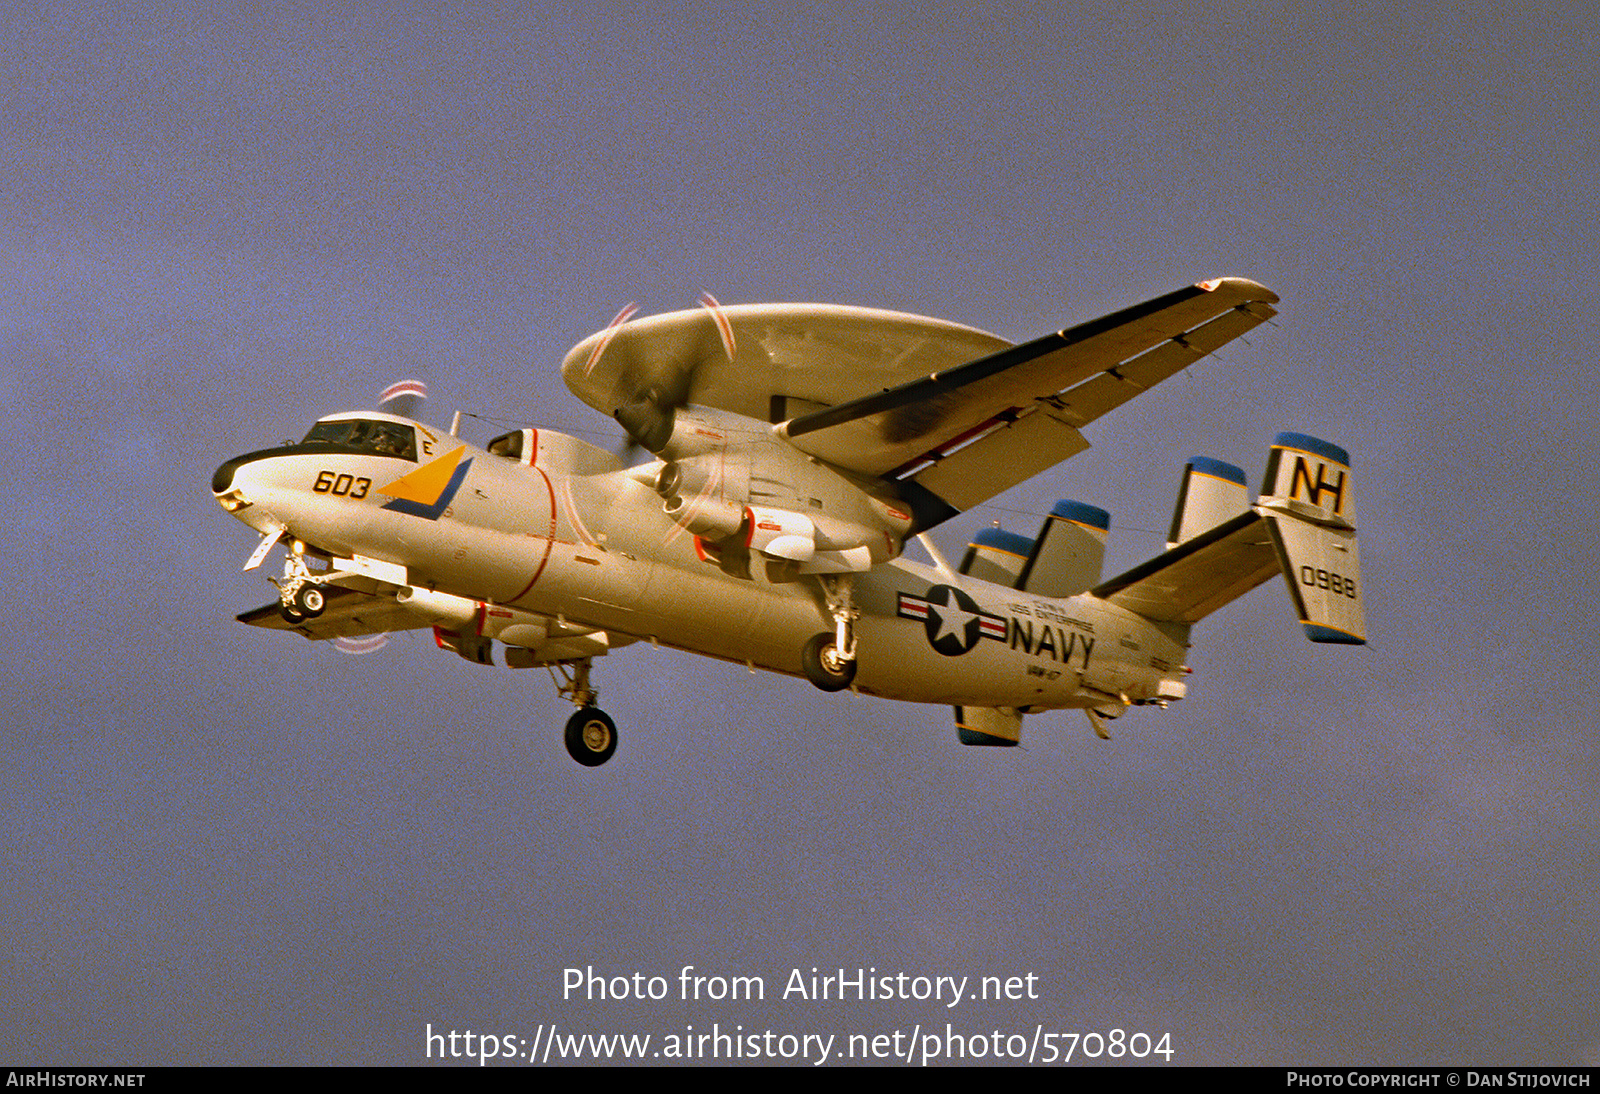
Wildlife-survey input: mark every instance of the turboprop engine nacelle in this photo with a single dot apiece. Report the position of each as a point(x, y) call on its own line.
point(709, 518)
point(727, 477)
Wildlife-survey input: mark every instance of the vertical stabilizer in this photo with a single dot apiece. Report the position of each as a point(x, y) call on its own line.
point(1312, 476)
point(1308, 502)
point(1301, 526)
point(1212, 493)
point(1071, 548)
point(996, 555)
point(993, 726)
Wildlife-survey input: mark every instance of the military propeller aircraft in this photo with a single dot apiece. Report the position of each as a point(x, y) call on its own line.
point(797, 448)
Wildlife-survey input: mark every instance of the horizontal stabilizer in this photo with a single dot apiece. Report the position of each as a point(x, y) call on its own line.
point(1196, 578)
point(1300, 527)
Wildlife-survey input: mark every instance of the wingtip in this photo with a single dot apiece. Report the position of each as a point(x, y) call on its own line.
point(1248, 289)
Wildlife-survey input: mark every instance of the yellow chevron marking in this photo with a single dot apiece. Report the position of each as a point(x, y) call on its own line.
point(426, 483)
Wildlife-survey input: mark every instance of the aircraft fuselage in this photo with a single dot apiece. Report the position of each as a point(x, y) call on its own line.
point(566, 533)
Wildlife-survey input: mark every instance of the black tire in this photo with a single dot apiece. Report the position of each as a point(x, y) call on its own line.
point(310, 601)
point(591, 736)
point(291, 614)
point(815, 664)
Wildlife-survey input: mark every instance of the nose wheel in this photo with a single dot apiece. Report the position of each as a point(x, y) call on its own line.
point(310, 600)
point(306, 602)
point(300, 595)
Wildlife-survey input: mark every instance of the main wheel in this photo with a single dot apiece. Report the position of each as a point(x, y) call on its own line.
point(291, 615)
point(823, 665)
point(591, 736)
point(310, 600)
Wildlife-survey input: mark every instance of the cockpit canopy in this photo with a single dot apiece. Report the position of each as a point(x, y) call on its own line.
point(366, 436)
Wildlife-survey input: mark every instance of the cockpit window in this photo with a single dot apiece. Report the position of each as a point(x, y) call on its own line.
point(367, 436)
point(508, 445)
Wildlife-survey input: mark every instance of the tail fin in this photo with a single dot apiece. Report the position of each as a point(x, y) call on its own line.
point(1308, 504)
point(1071, 548)
point(1063, 561)
point(996, 555)
point(994, 726)
point(1212, 493)
point(1299, 527)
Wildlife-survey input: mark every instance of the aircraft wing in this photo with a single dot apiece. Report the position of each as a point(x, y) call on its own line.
point(349, 613)
point(949, 414)
point(967, 433)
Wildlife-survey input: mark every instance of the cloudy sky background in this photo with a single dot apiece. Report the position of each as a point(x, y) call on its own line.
point(224, 845)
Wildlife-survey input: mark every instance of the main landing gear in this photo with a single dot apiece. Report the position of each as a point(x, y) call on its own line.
point(829, 660)
point(591, 734)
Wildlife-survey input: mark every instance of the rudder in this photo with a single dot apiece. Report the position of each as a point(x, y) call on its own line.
point(991, 726)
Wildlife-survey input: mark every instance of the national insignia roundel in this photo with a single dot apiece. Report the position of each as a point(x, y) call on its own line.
point(953, 621)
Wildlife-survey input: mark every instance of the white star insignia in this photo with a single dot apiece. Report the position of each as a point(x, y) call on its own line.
point(953, 619)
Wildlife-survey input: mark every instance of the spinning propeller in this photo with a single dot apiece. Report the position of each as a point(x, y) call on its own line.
point(658, 389)
point(370, 643)
point(403, 397)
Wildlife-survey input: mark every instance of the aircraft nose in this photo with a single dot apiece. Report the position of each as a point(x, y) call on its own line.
point(229, 486)
point(226, 478)
point(222, 479)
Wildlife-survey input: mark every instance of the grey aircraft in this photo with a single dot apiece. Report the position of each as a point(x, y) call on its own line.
point(797, 448)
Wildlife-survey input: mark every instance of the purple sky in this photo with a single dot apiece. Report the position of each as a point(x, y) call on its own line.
point(228, 846)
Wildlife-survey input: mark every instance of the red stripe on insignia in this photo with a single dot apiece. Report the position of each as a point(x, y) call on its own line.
point(913, 607)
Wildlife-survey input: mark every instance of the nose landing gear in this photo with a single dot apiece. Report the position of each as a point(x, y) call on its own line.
point(310, 600)
point(300, 593)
